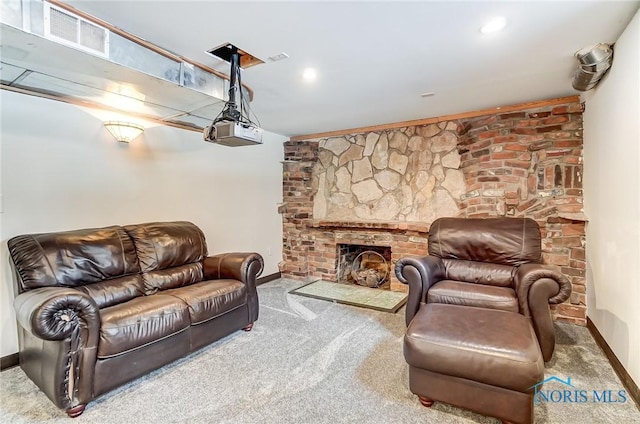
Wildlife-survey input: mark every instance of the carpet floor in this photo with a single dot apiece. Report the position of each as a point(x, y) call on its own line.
point(310, 361)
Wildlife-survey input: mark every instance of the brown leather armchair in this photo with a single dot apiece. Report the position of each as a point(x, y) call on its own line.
point(491, 263)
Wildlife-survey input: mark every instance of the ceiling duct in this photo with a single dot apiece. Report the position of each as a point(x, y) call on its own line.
point(52, 50)
point(594, 62)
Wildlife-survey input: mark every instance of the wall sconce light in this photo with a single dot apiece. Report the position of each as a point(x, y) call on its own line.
point(123, 131)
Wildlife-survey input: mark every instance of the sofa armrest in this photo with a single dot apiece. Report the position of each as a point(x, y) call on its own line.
point(536, 287)
point(67, 322)
point(245, 267)
point(55, 313)
point(419, 273)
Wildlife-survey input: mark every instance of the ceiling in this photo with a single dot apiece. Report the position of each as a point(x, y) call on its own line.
point(375, 59)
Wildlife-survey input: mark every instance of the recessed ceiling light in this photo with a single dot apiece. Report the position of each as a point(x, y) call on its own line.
point(428, 94)
point(309, 74)
point(494, 25)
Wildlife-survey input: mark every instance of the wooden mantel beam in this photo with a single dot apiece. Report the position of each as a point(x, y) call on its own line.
point(427, 121)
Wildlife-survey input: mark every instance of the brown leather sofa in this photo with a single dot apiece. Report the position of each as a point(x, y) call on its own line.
point(99, 307)
point(491, 263)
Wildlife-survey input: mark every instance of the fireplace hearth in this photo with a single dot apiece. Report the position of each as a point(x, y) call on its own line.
point(325, 249)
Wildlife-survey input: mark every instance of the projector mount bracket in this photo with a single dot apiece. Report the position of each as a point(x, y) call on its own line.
point(230, 111)
point(233, 126)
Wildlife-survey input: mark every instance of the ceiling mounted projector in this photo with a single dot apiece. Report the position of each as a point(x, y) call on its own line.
point(232, 127)
point(233, 134)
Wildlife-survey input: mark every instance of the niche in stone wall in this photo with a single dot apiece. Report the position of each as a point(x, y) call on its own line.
point(407, 174)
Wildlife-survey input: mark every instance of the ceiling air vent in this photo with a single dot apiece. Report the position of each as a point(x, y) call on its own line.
point(594, 62)
point(66, 28)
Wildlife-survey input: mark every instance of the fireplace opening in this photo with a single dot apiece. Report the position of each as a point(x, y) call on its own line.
point(367, 266)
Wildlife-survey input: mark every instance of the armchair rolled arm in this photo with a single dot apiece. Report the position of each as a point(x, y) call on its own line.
point(529, 275)
point(245, 267)
point(419, 273)
point(537, 286)
point(68, 323)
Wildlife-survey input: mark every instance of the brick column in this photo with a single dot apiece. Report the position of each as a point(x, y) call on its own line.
point(297, 207)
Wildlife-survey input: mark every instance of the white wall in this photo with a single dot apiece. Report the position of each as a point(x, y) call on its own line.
point(612, 201)
point(62, 170)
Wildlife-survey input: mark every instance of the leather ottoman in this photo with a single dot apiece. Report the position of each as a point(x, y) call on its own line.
point(484, 360)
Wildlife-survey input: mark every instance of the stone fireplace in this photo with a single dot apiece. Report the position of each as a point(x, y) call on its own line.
point(382, 189)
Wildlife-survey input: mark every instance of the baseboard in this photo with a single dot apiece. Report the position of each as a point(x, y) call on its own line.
point(267, 278)
point(627, 381)
point(9, 361)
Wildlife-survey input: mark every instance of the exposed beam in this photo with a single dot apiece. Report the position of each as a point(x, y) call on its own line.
point(98, 106)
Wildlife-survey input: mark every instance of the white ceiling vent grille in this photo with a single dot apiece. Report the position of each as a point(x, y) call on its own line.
point(64, 27)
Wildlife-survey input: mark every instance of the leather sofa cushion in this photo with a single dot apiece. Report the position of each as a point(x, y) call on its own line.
point(171, 278)
point(111, 292)
point(506, 241)
point(479, 272)
point(470, 294)
point(209, 299)
point(73, 258)
point(139, 322)
point(162, 245)
point(489, 346)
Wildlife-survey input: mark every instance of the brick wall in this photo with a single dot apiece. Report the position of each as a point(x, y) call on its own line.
point(526, 163)
point(297, 210)
point(530, 164)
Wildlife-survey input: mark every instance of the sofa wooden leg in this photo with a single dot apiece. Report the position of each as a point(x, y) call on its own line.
point(248, 327)
point(425, 401)
point(76, 411)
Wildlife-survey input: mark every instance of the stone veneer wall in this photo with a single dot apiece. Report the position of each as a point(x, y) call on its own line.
point(411, 174)
point(386, 187)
